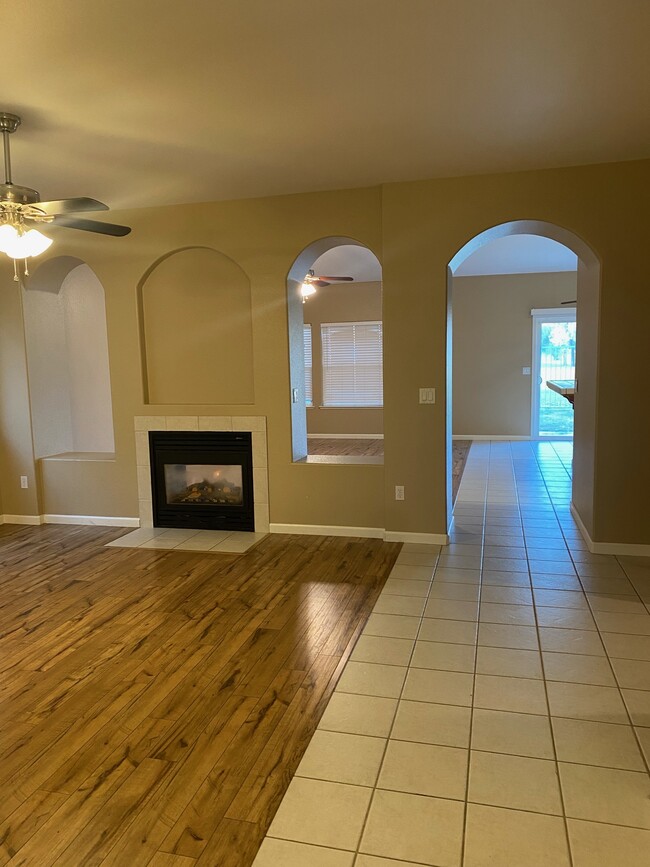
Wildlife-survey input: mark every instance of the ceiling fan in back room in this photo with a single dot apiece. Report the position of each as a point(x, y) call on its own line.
point(21, 209)
point(311, 282)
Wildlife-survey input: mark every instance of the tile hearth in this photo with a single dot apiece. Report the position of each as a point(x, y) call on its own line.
point(203, 541)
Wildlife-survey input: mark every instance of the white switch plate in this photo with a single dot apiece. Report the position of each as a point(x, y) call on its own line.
point(427, 395)
point(399, 492)
point(23, 482)
point(525, 371)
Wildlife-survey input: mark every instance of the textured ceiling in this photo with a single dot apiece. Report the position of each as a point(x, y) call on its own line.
point(156, 101)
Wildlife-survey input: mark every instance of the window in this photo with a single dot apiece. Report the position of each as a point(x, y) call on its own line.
point(352, 364)
point(309, 396)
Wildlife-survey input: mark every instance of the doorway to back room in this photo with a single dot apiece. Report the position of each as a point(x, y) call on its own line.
point(497, 390)
point(503, 388)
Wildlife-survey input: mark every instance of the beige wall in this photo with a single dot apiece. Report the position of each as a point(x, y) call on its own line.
point(357, 302)
point(424, 225)
point(16, 450)
point(492, 341)
point(263, 237)
point(415, 229)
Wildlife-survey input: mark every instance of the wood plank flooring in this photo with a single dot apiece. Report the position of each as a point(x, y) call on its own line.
point(459, 455)
point(154, 705)
point(352, 447)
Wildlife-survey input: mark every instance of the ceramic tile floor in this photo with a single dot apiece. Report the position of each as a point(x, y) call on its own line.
point(496, 709)
point(203, 541)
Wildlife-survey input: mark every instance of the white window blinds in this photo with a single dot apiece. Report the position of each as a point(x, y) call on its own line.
point(309, 398)
point(352, 364)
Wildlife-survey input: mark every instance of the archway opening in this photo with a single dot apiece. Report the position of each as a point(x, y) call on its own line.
point(502, 386)
point(336, 353)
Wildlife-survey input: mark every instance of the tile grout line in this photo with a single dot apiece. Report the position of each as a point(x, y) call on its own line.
point(476, 646)
point(550, 718)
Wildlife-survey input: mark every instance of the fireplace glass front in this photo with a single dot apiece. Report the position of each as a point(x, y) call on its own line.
point(202, 480)
point(198, 484)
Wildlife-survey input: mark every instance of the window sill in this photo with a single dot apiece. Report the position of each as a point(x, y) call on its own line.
point(367, 460)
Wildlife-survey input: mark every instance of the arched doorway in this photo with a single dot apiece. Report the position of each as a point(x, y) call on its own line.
point(587, 316)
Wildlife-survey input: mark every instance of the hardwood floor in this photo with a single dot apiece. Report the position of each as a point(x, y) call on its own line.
point(156, 704)
point(352, 447)
point(459, 455)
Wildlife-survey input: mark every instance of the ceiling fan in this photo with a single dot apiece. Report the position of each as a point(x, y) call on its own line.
point(311, 282)
point(21, 209)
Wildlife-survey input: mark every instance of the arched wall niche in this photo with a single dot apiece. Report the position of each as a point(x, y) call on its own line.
point(295, 314)
point(196, 330)
point(67, 356)
point(587, 353)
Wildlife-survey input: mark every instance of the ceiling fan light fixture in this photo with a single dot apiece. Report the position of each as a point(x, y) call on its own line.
point(306, 290)
point(21, 207)
point(18, 244)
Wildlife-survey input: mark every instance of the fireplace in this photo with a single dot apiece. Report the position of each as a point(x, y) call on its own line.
point(202, 479)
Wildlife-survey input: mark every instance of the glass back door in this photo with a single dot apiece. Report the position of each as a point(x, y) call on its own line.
point(554, 359)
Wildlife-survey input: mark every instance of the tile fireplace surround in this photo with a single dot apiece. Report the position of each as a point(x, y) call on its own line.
point(256, 424)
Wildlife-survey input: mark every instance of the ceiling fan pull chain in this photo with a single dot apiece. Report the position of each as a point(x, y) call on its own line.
point(26, 268)
point(16, 277)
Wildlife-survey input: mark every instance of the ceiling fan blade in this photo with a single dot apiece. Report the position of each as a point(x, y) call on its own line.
point(325, 277)
point(70, 206)
point(92, 226)
point(320, 283)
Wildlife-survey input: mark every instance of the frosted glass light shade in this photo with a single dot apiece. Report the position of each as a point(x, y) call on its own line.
point(7, 236)
point(307, 289)
point(22, 246)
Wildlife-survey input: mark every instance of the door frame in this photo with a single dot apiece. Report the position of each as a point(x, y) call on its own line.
point(539, 315)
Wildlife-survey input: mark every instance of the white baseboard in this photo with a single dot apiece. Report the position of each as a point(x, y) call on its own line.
point(499, 437)
point(356, 436)
point(621, 548)
point(295, 529)
point(327, 530)
point(362, 532)
point(418, 538)
point(92, 520)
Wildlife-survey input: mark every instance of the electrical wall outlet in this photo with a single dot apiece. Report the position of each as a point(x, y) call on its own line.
point(399, 492)
point(23, 482)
